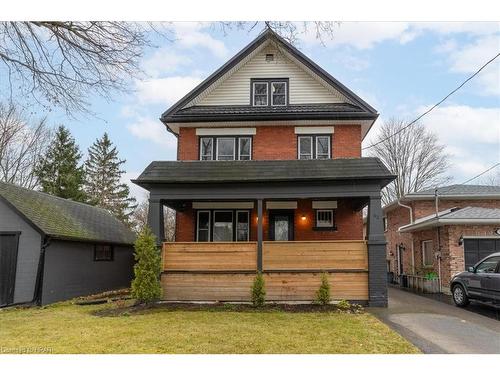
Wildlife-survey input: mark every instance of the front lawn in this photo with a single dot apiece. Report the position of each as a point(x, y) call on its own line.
point(69, 328)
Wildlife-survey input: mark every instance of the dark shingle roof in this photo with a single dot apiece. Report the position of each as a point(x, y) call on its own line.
point(328, 109)
point(456, 190)
point(264, 170)
point(66, 219)
point(172, 113)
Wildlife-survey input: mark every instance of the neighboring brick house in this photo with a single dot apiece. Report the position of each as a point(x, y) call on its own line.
point(269, 178)
point(463, 231)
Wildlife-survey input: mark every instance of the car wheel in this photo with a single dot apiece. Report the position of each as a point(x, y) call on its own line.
point(459, 296)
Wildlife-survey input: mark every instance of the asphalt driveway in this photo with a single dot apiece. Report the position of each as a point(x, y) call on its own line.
point(437, 327)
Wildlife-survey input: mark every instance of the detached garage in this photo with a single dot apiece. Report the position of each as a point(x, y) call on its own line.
point(53, 249)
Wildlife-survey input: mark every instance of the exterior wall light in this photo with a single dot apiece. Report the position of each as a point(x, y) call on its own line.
point(303, 217)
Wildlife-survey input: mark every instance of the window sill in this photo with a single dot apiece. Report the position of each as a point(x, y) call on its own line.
point(325, 229)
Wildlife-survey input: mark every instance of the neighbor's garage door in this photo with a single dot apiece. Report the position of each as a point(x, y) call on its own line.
point(476, 249)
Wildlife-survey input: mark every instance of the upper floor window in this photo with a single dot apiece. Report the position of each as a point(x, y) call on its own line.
point(225, 148)
point(314, 147)
point(269, 92)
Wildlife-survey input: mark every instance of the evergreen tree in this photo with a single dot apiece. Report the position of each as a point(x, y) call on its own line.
point(146, 287)
point(58, 170)
point(102, 180)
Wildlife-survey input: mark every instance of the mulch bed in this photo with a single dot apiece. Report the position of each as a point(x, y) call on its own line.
point(226, 307)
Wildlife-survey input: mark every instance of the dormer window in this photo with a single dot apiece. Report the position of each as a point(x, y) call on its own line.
point(269, 92)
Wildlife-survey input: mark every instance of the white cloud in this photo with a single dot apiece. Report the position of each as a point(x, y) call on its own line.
point(152, 130)
point(364, 35)
point(471, 136)
point(163, 62)
point(361, 35)
point(191, 35)
point(468, 58)
point(165, 90)
point(455, 124)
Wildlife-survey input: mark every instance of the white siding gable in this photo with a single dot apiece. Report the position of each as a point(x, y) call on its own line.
point(305, 87)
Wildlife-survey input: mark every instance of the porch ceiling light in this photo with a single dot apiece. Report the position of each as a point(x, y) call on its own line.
point(303, 217)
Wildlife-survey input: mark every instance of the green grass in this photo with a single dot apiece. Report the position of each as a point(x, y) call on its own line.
point(68, 328)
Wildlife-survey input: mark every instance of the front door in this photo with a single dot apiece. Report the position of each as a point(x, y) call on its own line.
point(8, 263)
point(281, 225)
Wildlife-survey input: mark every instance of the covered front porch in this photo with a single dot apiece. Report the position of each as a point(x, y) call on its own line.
point(291, 225)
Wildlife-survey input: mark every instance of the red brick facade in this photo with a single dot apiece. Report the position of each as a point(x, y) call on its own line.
point(277, 143)
point(349, 224)
point(452, 254)
point(280, 143)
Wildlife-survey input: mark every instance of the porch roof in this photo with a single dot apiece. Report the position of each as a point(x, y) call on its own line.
point(169, 172)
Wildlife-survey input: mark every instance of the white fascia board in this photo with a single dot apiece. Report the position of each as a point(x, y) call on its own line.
point(324, 204)
point(440, 222)
point(231, 205)
point(225, 131)
point(281, 205)
point(314, 130)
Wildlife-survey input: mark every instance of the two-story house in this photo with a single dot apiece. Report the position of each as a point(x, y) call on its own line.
point(442, 232)
point(270, 178)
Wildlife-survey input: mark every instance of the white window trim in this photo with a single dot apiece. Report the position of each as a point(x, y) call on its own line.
point(314, 130)
point(323, 225)
point(324, 204)
point(234, 147)
point(329, 145)
point(198, 225)
point(298, 148)
point(232, 223)
point(253, 94)
point(272, 97)
point(239, 147)
point(225, 131)
point(248, 225)
point(423, 254)
point(201, 149)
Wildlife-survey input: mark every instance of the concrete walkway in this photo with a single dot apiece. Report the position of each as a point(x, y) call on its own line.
point(436, 327)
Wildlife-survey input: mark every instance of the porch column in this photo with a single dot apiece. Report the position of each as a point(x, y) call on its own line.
point(377, 269)
point(156, 220)
point(260, 234)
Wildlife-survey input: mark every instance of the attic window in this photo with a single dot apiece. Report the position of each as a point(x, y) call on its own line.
point(269, 57)
point(269, 92)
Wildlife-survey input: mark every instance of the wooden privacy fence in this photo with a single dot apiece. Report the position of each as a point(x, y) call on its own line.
point(224, 271)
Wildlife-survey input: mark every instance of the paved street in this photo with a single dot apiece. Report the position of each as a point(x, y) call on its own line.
point(437, 327)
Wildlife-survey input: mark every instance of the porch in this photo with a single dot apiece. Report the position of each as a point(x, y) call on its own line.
point(224, 271)
point(289, 219)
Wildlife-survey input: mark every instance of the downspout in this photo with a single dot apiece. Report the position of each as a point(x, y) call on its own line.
point(436, 203)
point(37, 295)
point(412, 246)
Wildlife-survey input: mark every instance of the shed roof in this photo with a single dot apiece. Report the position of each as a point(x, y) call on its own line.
point(65, 219)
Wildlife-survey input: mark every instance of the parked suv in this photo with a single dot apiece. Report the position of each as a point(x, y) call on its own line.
point(481, 282)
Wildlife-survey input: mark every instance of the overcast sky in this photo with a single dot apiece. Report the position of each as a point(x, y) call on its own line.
point(401, 69)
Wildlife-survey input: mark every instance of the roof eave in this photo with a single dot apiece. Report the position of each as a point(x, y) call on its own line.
point(271, 116)
point(444, 221)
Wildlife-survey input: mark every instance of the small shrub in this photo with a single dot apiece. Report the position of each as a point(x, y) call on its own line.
point(258, 291)
point(344, 305)
point(146, 286)
point(323, 293)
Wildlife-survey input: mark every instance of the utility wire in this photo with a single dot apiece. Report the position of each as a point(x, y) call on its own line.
point(435, 105)
point(470, 179)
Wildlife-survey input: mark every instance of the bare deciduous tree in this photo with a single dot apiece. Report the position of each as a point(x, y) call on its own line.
point(492, 178)
point(62, 64)
point(414, 155)
point(21, 146)
point(139, 219)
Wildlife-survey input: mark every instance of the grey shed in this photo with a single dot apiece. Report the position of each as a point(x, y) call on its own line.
point(53, 249)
